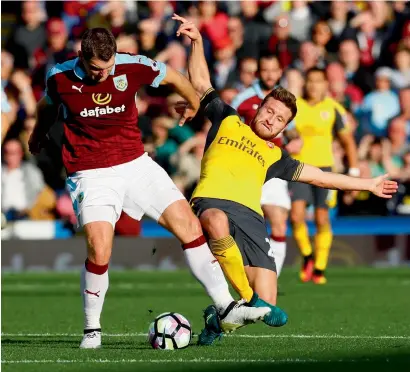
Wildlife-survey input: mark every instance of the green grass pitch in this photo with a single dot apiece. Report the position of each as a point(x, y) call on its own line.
point(359, 321)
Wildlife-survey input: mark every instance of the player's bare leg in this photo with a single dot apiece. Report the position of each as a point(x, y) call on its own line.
point(301, 235)
point(264, 282)
point(277, 217)
point(179, 219)
point(94, 279)
point(323, 243)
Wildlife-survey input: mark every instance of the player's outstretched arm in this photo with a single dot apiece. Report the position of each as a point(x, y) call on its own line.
point(197, 67)
point(185, 89)
point(379, 186)
point(46, 114)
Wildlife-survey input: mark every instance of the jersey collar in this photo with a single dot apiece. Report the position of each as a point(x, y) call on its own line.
point(79, 71)
point(258, 89)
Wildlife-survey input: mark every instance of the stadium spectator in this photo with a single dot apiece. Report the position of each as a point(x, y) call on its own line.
point(55, 52)
point(308, 57)
point(213, 23)
point(281, 43)
point(24, 193)
point(148, 30)
point(294, 81)
point(127, 44)
point(175, 56)
point(404, 116)
point(401, 74)
point(323, 39)
point(300, 19)
point(188, 160)
point(349, 56)
point(367, 36)
point(225, 65)
point(165, 147)
point(248, 68)
point(5, 117)
point(339, 18)
point(379, 106)
point(348, 95)
point(29, 34)
point(228, 94)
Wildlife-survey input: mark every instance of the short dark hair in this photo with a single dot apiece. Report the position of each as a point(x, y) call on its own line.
point(316, 69)
point(99, 43)
point(267, 55)
point(287, 98)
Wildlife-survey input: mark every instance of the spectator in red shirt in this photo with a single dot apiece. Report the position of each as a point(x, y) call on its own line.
point(347, 94)
point(55, 52)
point(281, 43)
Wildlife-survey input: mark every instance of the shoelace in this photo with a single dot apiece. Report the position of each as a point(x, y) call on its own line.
point(240, 303)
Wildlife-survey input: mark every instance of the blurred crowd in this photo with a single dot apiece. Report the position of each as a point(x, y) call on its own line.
point(364, 47)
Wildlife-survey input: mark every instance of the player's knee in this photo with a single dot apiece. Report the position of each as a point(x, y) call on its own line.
point(322, 219)
point(193, 227)
point(296, 217)
point(99, 246)
point(279, 228)
point(215, 223)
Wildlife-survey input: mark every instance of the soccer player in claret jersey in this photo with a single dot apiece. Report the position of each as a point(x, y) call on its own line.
point(275, 195)
point(108, 170)
point(238, 160)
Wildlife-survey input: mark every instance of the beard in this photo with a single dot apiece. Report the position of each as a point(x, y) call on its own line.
point(265, 86)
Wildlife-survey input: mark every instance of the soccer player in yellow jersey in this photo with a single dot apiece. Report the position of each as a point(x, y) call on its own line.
point(238, 159)
point(318, 121)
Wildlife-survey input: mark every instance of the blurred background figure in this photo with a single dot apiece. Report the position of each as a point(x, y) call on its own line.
point(379, 106)
point(24, 193)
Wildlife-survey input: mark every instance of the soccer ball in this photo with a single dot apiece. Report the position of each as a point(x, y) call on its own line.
point(169, 331)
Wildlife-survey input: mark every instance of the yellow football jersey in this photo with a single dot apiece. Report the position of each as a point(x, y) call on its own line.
point(317, 125)
point(236, 162)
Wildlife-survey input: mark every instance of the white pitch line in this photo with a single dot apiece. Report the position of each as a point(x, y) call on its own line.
point(334, 336)
point(180, 360)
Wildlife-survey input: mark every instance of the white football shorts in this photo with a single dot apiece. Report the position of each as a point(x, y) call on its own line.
point(138, 187)
point(275, 192)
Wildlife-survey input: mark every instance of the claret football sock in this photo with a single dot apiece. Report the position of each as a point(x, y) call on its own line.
point(323, 243)
point(94, 286)
point(208, 272)
point(229, 257)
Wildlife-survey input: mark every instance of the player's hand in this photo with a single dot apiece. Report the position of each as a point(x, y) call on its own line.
point(186, 111)
point(382, 187)
point(35, 144)
point(187, 28)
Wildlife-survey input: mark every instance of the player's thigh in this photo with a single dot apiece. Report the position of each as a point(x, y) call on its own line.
point(97, 195)
point(263, 282)
point(275, 192)
point(150, 190)
point(214, 220)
